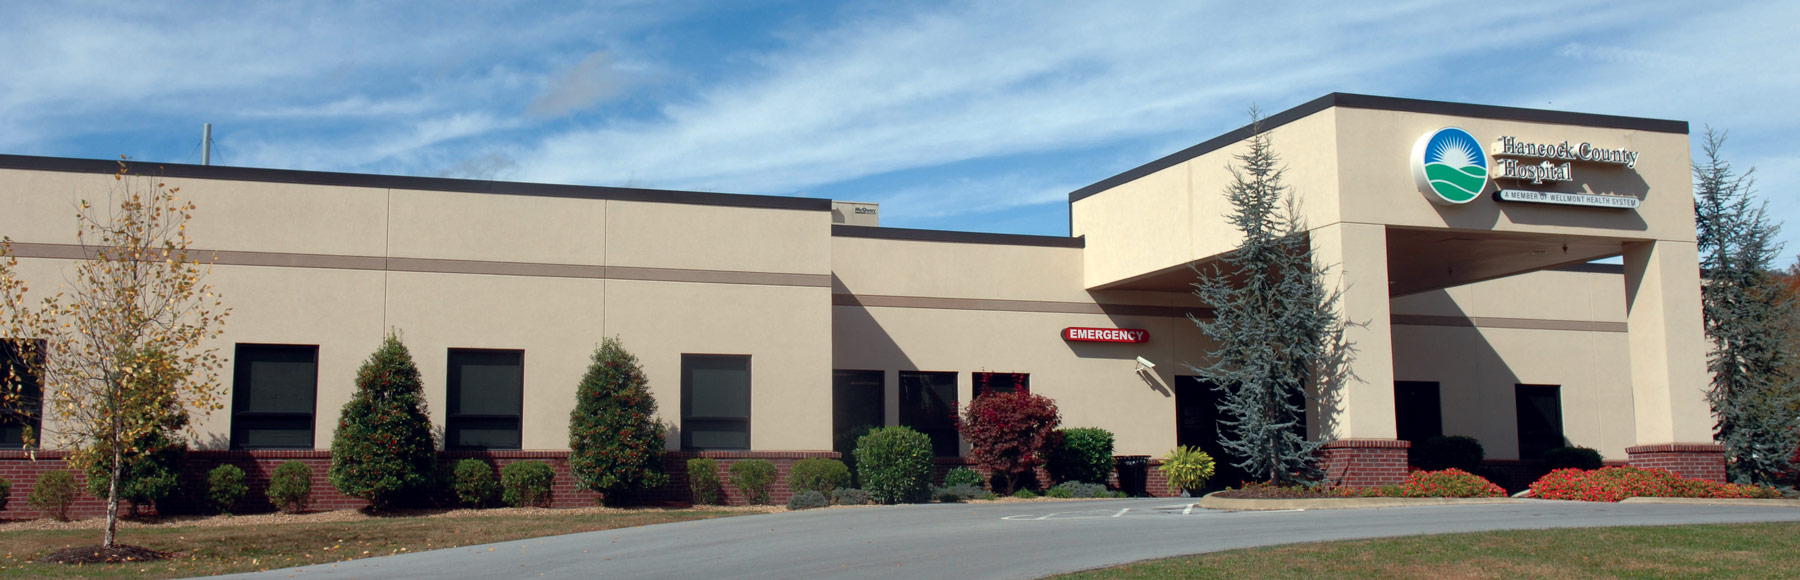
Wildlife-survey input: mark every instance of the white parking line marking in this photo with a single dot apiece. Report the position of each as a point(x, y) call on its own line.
point(1047, 517)
point(1121, 512)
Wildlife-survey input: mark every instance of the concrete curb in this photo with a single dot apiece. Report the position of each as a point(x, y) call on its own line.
point(1790, 503)
point(1340, 503)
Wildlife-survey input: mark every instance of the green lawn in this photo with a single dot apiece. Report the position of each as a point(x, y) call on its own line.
point(1709, 551)
point(240, 548)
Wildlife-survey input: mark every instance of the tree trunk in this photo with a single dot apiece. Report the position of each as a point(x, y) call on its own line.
point(112, 497)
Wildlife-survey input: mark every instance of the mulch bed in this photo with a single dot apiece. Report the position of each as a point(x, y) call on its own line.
point(1273, 492)
point(103, 555)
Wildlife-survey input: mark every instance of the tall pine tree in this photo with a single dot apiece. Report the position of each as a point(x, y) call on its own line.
point(383, 450)
point(1275, 323)
point(615, 439)
point(1746, 314)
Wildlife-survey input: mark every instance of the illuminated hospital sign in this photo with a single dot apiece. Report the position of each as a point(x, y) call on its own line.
point(1451, 169)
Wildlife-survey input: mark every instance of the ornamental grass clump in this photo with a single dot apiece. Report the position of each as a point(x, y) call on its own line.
point(1187, 468)
point(1612, 484)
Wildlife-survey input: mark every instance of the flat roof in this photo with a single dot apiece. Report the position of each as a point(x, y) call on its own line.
point(221, 172)
point(1356, 101)
point(881, 233)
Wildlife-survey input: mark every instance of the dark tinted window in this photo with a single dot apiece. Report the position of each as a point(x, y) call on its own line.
point(715, 401)
point(1418, 414)
point(1540, 420)
point(24, 410)
point(985, 383)
point(928, 405)
point(486, 390)
point(858, 404)
point(273, 391)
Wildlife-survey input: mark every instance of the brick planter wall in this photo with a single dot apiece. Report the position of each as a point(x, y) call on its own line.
point(19, 468)
point(1691, 460)
point(1364, 462)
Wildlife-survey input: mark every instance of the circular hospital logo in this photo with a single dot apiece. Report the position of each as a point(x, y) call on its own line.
point(1450, 166)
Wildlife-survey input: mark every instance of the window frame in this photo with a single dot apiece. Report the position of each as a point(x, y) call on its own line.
point(239, 380)
point(837, 428)
point(33, 418)
point(451, 429)
point(1521, 392)
point(949, 421)
point(687, 403)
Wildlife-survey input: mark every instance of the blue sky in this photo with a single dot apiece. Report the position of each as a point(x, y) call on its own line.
point(967, 116)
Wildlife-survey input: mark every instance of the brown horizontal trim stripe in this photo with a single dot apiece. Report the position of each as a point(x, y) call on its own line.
point(718, 276)
point(1043, 306)
point(440, 266)
point(1498, 322)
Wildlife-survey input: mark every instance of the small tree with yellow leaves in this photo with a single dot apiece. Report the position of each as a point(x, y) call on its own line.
point(123, 343)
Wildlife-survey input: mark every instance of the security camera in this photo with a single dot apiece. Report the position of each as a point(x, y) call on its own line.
point(1144, 364)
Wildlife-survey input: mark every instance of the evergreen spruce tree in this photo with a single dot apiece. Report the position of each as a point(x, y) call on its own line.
point(1275, 323)
point(615, 439)
point(383, 450)
point(1748, 319)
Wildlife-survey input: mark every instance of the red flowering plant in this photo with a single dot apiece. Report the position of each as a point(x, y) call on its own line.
point(1008, 432)
point(1451, 482)
point(1611, 484)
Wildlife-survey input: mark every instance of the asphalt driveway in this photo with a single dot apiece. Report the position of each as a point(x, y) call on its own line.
point(999, 540)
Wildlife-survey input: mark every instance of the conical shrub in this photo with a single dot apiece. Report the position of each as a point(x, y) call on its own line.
point(383, 450)
point(615, 439)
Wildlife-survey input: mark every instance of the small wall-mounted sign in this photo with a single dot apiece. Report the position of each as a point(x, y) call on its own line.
point(1081, 334)
point(1561, 198)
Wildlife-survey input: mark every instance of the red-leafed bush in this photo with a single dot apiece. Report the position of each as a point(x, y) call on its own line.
point(1445, 483)
point(1617, 483)
point(1008, 432)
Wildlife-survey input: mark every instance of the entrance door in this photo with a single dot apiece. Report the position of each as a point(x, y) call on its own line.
point(1197, 424)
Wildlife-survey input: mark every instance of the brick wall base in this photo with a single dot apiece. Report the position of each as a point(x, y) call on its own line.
point(1364, 462)
point(22, 470)
point(1691, 460)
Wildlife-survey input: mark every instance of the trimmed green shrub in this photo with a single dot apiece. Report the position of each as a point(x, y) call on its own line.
point(5, 492)
point(1440, 453)
point(752, 477)
point(1081, 454)
point(1187, 468)
point(527, 483)
point(149, 475)
point(965, 476)
point(895, 465)
point(383, 450)
point(849, 496)
point(290, 487)
point(1008, 433)
point(474, 483)
point(615, 439)
point(818, 474)
point(808, 499)
point(225, 487)
point(1573, 457)
point(703, 481)
point(1023, 493)
point(54, 492)
point(958, 493)
point(1059, 493)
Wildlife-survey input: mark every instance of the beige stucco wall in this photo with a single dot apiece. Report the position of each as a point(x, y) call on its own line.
point(691, 278)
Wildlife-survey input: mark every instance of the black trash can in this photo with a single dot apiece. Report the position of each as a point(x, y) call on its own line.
point(1134, 475)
